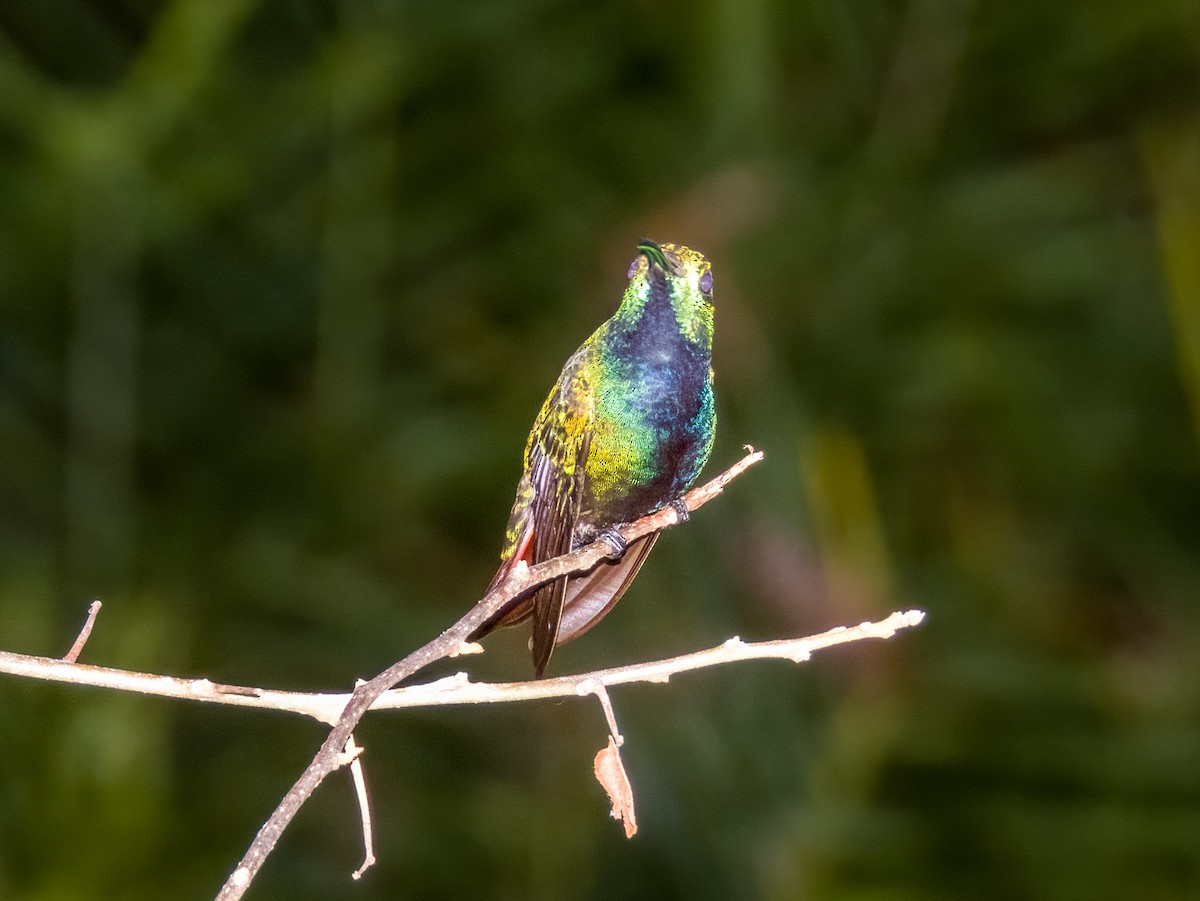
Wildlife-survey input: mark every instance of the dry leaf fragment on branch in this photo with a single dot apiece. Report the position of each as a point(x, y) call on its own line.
point(610, 773)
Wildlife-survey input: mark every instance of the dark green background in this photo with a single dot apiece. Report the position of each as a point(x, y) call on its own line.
point(282, 285)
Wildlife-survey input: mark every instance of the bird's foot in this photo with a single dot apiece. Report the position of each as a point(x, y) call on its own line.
point(681, 510)
point(615, 542)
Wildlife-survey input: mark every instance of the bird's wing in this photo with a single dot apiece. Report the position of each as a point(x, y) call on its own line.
point(553, 528)
point(589, 597)
point(547, 507)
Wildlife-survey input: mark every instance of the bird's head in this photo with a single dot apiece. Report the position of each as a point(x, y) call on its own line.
point(687, 278)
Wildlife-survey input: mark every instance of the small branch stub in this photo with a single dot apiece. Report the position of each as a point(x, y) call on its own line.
point(354, 751)
point(84, 634)
point(596, 687)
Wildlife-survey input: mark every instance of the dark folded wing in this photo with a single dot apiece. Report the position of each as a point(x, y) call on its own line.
point(559, 489)
point(547, 507)
point(590, 596)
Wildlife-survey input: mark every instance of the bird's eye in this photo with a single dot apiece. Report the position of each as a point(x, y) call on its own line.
point(633, 267)
point(706, 282)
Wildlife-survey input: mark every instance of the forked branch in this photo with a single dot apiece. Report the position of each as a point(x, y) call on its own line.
point(344, 711)
point(521, 580)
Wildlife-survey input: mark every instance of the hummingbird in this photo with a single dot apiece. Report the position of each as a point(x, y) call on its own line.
point(625, 431)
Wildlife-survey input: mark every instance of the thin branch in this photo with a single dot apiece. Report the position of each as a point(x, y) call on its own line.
point(596, 687)
point(459, 689)
point(453, 690)
point(520, 580)
point(323, 707)
point(344, 711)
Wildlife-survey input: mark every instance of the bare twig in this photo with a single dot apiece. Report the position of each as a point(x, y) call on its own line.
point(596, 687)
point(450, 641)
point(364, 808)
point(460, 690)
point(344, 711)
point(84, 634)
point(323, 707)
point(453, 690)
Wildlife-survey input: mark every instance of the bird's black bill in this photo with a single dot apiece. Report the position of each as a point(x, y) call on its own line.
point(654, 254)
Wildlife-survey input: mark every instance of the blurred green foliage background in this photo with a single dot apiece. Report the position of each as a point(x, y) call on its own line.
point(283, 283)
